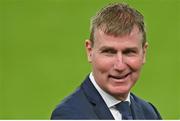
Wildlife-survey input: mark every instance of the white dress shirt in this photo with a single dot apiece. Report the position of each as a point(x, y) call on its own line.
point(109, 100)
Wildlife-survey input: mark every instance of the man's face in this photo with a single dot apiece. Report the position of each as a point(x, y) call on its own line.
point(116, 61)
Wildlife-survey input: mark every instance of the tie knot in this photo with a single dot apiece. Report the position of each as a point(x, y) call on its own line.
point(124, 108)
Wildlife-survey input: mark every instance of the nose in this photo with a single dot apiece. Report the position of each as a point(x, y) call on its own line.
point(120, 63)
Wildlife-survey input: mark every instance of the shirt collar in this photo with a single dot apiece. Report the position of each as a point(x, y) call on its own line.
point(109, 100)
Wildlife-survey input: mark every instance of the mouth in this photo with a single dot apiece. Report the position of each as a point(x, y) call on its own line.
point(120, 78)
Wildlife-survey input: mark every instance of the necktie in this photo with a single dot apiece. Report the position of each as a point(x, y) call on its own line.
point(124, 108)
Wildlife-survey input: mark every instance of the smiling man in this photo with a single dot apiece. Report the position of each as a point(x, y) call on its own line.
point(117, 51)
point(116, 61)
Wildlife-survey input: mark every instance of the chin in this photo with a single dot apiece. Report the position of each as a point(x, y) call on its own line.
point(120, 91)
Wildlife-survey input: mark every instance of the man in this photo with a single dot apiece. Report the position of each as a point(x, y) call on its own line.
point(117, 51)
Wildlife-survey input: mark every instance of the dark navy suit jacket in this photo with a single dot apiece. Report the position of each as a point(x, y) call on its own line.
point(86, 103)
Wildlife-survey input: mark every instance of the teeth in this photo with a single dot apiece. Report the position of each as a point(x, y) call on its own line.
point(119, 77)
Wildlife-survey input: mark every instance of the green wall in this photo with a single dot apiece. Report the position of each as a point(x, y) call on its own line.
point(42, 54)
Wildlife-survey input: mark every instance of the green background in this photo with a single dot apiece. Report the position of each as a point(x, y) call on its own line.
point(42, 54)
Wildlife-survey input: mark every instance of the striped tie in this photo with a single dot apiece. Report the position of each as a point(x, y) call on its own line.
point(124, 108)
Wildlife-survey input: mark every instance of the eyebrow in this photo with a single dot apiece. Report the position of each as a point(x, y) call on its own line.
point(131, 48)
point(106, 47)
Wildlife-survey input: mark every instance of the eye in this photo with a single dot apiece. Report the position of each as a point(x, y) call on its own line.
point(110, 51)
point(130, 52)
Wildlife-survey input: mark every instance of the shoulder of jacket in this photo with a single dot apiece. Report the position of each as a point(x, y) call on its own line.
point(147, 107)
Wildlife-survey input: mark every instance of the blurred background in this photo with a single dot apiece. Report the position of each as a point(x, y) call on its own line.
point(42, 54)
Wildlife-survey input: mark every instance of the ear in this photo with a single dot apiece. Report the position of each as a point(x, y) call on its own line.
point(88, 45)
point(144, 52)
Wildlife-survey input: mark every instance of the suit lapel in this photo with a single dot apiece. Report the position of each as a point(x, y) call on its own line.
point(136, 109)
point(99, 106)
point(102, 111)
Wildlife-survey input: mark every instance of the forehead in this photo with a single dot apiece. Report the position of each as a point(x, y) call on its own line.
point(133, 38)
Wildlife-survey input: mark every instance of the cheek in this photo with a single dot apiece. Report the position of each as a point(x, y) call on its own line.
point(136, 63)
point(102, 64)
